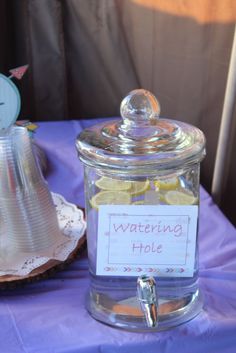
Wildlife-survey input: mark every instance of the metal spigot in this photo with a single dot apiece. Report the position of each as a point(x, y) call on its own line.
point(146, 293)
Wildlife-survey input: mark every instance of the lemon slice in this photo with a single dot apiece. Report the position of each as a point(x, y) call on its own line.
point(139, 187)
point(109, 197)
point(167, 184)
point(176, 197)
point(106, 183)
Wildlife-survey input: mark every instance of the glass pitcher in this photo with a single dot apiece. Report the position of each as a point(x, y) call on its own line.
point(141, 176)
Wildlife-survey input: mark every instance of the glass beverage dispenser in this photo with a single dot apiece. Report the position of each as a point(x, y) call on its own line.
point(142, 200)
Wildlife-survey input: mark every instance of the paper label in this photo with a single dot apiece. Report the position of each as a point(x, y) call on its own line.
point(135, 240)
point(9, 102)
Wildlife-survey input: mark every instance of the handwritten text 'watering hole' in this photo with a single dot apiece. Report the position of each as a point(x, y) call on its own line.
point(149, 235)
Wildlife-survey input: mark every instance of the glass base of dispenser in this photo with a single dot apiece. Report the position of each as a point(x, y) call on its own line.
point(127, 314)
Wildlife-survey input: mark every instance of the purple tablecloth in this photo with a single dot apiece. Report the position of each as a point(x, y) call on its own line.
point(50, 316)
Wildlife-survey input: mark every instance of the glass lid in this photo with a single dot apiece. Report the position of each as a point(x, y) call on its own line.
point(141, 139)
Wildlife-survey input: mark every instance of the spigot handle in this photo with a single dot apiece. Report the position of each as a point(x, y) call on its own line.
point(146, 293)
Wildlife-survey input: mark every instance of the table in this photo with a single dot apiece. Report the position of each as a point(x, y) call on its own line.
point(49, 316)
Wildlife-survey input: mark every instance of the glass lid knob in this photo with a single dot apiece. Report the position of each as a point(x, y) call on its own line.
point(140, 111)
point(139, 105)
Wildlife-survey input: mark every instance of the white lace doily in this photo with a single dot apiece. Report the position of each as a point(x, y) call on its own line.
point(72, 225)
